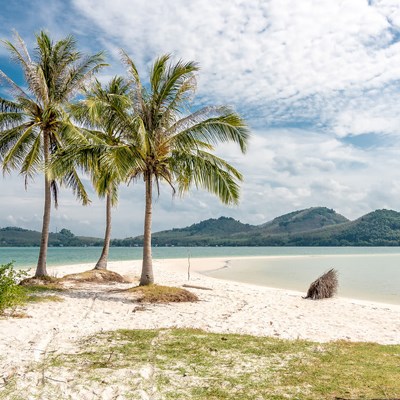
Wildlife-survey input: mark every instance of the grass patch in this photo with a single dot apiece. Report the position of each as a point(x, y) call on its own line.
point(33, 298)
point(50, 287)
point(163, 294)
point(42, 284)
point(192, 364)
point(36, 290)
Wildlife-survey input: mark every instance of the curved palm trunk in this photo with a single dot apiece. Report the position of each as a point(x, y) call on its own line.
point(147, 277)
point(41, 265)
point(102, 263)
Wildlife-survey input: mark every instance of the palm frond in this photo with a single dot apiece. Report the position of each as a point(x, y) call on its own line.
point(227, 127)
point(179, 82)
point(54, 191)
point(15, 90)
point(73, 181)
point(32, 160)
point(17, 142)
point(205, 170)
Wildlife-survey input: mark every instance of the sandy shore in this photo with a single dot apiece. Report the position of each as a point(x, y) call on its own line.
point(229, 307)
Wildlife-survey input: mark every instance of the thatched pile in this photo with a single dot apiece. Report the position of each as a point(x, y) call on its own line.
point(324, 287)
point(95, 276)
point(163, 294)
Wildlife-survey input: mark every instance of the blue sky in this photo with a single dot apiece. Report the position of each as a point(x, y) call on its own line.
point(318, 83)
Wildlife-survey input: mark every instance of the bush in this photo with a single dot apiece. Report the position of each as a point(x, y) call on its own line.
point(11, 294)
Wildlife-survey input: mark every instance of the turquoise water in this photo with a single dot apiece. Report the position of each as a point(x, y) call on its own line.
point(27, 256)
point(369, 273)
point(373, 277)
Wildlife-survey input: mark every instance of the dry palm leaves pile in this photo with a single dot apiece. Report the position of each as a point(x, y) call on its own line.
point(324, 287)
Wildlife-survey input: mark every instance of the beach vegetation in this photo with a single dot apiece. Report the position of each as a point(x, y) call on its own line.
point(42, 283)
point(193, 364)
point(163, 294)
point(34, 122)
point(43, 298)
point(95, 276)
point(153, 135)
point(11, 293)
point(165, 142)
point(101, 116)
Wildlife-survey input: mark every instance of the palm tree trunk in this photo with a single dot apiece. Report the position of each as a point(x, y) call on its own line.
point(147, 277)
point(41, 265)
point(102, 263)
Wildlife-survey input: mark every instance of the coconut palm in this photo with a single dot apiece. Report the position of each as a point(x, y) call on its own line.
point(100, 113)
point(34, 123)
point(166, 142)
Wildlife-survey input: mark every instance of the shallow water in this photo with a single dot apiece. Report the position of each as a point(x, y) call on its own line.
point(27, 256)
point(374, 277)
point(369, 273)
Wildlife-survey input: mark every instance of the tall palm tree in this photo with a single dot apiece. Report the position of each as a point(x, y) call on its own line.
point(33, 124)
point(167, 142)
point(100, 113)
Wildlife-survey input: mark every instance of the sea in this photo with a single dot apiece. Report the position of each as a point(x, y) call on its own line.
point(365, 273)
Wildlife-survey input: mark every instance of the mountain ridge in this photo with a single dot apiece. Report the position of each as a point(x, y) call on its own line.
point(315, 226)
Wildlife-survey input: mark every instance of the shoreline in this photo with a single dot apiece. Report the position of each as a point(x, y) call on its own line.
point(205, 265)
point(271, 257)
point(229, 307)
point(179, 266)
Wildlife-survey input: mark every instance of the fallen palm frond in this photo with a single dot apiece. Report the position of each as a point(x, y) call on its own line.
point(324, 287)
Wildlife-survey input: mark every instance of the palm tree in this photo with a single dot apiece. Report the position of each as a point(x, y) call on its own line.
point(33, 125)
point(166, 142)
point(100, 113)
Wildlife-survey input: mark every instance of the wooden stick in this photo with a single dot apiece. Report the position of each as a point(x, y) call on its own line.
point(197, 287)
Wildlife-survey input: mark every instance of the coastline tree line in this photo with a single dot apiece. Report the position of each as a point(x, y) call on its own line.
point(63, 122)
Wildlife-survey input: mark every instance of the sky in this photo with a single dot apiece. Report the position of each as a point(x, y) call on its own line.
point(316, 81)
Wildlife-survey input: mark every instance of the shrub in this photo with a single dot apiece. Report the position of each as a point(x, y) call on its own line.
point(11, 294)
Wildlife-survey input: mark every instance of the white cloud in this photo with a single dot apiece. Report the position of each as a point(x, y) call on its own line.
point(310, 76)
point(272, 55)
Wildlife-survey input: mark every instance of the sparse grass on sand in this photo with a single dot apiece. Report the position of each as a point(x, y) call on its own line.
point(95, 276)
point(163, 294)
point(190, 364)
point(44, 283)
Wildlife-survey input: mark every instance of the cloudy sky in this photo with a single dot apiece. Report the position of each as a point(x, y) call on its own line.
point(317, 82)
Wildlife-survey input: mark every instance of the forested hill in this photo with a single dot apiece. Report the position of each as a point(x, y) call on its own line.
point(303, 220)
point(18, 237)
point(317, 226)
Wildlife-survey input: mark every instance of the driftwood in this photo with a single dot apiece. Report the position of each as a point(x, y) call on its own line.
point(324, 287)
point(196, 287)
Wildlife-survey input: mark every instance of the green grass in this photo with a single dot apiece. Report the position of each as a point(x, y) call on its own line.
point(40, 293)
point(191, 364)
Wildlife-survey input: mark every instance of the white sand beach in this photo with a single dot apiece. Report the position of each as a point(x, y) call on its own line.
point(229, 308)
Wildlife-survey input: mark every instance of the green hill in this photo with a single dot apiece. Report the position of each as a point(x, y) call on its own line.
point(18, 237)
point(378, 228)
point(316, 226)
point(303, 220)
point(209, 232)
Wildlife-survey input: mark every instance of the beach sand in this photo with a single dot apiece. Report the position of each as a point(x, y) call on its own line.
point(229, 307)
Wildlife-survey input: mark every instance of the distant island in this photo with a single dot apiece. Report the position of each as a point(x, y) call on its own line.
point(316, 226)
